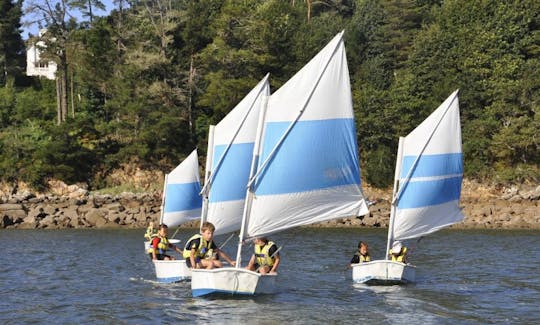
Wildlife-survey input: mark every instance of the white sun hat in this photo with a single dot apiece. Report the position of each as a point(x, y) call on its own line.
point(396, 247)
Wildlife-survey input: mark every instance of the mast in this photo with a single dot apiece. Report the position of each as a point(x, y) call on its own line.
point(249, 190)
point(207, 173)
point(397, 172)
point(163, 199)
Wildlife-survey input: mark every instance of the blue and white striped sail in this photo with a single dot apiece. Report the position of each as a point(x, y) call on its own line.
point(233, 142)
point(430, 174)
point(182, 201)
point(308, 169)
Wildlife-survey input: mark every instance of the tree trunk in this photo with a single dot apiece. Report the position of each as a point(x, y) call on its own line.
point(72, 97)
point(63, 68)
point(58, 103)
point(191, 79)
point(64, 96)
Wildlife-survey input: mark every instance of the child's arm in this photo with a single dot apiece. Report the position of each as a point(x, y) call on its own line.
point(175, 248)
point(277, 259)
point(226, 257)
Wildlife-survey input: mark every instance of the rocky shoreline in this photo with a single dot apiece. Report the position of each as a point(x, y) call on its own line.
point(74, 207)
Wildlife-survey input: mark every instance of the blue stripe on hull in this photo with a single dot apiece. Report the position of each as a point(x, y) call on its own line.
point(315, 155)
point(182, 197)
point(205, 292)
point(231, 179)
point(433, 165)
point(173, 279)
point(428, 193)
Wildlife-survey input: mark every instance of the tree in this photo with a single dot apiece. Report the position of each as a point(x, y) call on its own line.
point(87, 8)
point(11, 44)
point(55, 16)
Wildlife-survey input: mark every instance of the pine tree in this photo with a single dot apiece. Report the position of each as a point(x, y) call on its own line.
point(11, 44)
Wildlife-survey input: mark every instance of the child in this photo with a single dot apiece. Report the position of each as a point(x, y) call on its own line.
point(200, 250)
point(265, 260)
point(362, 255)
point(160, 244)
point(150, 231)
point(398, 253)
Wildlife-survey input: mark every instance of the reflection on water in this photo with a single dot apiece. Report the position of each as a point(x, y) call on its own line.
point(81, 276)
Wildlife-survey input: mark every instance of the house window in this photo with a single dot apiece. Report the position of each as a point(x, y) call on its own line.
point(40, 64)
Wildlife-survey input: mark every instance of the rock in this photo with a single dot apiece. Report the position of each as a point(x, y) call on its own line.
point(10, 206)
point(5, 221)
point(47, 222)
point(96, 217)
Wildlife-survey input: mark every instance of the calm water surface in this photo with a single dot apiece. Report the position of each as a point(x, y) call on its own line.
point(104, 277)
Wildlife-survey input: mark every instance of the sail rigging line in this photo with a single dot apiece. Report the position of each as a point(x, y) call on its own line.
point(229, 145)
point(227, 240)
point(293, 123)
point(413, 166)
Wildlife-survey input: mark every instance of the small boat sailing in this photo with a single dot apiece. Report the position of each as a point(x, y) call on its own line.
point(427, 189)
point(181, 203)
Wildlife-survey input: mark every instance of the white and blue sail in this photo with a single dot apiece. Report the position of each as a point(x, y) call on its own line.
point(427, 189)
point(430, 169)
point(230, 155)
point(308, 168)
point(182, 199)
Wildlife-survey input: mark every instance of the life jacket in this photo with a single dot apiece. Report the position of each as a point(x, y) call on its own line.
point(203, 251)
point(262, 256)
point(400, 257)
point(363, 258)
point(150, 233)
point(163, 245)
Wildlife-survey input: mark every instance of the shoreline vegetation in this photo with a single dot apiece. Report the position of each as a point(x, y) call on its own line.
point(73, 206)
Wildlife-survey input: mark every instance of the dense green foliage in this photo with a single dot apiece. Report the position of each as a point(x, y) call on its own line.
point(147, 80)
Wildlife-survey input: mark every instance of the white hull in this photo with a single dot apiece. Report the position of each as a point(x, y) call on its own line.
point(230, 280)
point(383, 272)
point(172, 271)
point(146, 246)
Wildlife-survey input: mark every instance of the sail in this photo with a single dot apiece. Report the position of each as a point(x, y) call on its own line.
point(431, 174)
point(308, 169)
point(182, 199)
point(233, 142)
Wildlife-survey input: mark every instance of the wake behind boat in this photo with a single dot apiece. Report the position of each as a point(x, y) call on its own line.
point(305, 166)
point(427, 188)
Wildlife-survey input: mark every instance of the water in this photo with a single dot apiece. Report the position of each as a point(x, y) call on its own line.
point(103, 277)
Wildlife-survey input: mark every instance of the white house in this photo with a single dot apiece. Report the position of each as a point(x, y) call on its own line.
point(36, 67)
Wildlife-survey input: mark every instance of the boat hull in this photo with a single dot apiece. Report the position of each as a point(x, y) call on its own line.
point(383, 272)
point(231, 281)
point(172, 271)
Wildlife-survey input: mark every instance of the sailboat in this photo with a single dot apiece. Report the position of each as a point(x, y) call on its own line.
point(305, 166)
point(229, 165)
point(181, 203)
point(427, 189)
